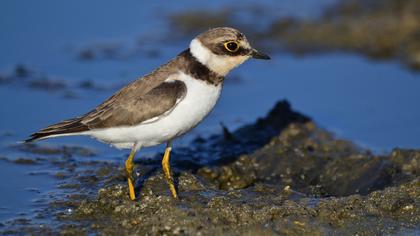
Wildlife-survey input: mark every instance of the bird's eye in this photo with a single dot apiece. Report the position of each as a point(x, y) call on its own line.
point(231, 46)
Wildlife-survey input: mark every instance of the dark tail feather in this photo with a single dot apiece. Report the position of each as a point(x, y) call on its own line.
point(65, 127)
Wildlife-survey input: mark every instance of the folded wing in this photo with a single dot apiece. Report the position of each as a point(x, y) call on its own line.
point(130, 106)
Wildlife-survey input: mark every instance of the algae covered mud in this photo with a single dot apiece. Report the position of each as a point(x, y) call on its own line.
point(279, 175)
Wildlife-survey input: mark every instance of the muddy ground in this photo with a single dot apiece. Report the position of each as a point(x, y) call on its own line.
point(377, 28)
point(280, 175)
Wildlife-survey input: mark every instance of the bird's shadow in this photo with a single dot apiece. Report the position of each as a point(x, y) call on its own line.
point(140, 182)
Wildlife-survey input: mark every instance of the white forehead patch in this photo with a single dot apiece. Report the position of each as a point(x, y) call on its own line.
point(219, 64)
point(245, 44)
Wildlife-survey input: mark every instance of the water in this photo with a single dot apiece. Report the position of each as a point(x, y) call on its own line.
point(371, 103)
point(20, 190)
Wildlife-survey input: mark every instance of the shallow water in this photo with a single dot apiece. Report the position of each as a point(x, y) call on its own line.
point(21, 188)
point(371, 103)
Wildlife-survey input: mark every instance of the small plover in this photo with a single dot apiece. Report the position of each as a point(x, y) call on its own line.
point(164, 104)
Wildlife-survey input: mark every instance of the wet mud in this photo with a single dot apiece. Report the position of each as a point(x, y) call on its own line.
point(378, 29)
point(280, 175)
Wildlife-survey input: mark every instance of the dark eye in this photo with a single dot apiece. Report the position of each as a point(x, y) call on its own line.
point(231, 46)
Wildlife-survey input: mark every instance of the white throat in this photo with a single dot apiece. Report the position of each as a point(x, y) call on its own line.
point(219, 64)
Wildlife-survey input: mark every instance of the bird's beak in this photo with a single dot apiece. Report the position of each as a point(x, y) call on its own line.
point(259, 55)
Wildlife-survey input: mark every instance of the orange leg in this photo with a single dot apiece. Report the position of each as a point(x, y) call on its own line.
point(129, 166)
point(167, 169)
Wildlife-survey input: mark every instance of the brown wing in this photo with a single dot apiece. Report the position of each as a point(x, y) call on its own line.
point(125, 108)
point(141, 100)
point(128, 111)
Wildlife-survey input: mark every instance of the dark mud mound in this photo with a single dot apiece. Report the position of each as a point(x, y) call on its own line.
point(225, 148)
point(311, 161)
point(280, 175)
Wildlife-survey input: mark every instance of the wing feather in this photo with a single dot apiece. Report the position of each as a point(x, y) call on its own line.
point(129, 106)
point(136, 110)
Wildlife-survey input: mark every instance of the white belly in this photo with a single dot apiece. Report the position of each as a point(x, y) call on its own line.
point(197, 103)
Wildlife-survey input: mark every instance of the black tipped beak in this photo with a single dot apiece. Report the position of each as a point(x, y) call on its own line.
point(259, 55)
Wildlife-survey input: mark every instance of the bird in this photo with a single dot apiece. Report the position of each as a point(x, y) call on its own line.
point(164, 104)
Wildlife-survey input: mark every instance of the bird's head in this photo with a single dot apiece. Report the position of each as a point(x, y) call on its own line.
point(222, 49)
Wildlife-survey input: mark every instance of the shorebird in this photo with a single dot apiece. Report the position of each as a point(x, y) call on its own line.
point(164, 104)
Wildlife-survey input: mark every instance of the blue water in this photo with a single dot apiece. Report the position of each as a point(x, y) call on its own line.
point(374, 104)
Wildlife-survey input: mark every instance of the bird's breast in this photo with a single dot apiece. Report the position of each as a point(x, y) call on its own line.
point(199, 100)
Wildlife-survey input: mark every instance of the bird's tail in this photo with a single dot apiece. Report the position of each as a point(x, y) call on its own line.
point(66, 127)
